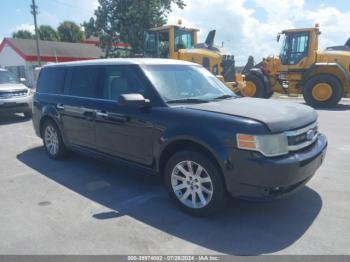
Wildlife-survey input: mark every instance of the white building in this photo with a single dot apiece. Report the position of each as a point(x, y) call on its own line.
point(19, 55)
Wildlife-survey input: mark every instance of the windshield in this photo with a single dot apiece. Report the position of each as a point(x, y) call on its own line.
point(7, 78)
point(180, 83)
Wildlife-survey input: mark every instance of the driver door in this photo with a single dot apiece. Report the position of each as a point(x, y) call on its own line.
point(295, 50)
point(123, 131)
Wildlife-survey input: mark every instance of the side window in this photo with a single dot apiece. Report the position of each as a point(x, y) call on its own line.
point(299, 47)
point(151, 43)
point(284, 50)
point(183, 40)
point(206, 63)
point(119, 80)
point(164, 44)
point(51, 80)
point(83, 81)
point(215, 70)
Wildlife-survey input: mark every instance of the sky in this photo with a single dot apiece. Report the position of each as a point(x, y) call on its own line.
point(247, 27)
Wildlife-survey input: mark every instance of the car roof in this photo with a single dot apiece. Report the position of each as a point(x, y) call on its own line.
point(123, 61)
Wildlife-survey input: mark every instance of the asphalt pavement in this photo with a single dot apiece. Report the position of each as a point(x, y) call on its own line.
point(88, 206)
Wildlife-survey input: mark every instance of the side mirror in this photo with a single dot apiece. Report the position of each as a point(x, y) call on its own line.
point(133, 100)
point(22, 80)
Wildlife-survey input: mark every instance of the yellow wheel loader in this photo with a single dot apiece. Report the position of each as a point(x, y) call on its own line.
point(323, 77)
point(177, 42)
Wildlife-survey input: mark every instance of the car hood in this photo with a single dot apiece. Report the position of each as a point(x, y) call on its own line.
point(277, 115)
point(12, 87)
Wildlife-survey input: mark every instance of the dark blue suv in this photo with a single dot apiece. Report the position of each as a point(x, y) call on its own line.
point(177, 120)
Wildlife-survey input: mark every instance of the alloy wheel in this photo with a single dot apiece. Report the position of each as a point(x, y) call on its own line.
point(192, 184)
point(51, 140)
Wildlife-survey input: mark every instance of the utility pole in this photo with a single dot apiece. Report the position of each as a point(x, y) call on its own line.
point(34, 11)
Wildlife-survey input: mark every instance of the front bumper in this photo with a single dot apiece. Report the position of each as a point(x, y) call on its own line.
point(17, 104)
point(253, 176)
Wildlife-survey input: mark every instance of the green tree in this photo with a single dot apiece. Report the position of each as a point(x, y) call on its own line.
point(23, 34)
point(89, 28)
point(70, 32)
point(127, 20)
point(47, 33)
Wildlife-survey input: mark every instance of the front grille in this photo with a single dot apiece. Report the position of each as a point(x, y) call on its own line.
point(13, 94)
point(13, 105)
point(303, 137)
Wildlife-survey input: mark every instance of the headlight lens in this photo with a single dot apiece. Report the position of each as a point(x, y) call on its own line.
point(30, 91)
point(268, 145)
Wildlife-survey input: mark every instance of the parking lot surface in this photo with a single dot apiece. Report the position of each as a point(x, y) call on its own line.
point(89, 206)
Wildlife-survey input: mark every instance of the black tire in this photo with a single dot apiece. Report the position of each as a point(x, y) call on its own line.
point(60, 153)
point(219, 196)
point(28, 114)
point(269, 95)
point(337, 91)
point(260, 87)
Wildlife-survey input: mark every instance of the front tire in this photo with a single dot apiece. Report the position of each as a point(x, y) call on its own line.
point(254, 87)
point(53, 142)
point(323, 91)
point(194, 183)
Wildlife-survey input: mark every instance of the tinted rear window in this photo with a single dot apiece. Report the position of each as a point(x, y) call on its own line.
point(83, 81)
point(51, 80)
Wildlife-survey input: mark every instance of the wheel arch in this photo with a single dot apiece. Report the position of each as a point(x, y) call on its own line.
point(184, 144)
point(44, 119)
point(332, 69)
point(48, 112)
point(47, 117)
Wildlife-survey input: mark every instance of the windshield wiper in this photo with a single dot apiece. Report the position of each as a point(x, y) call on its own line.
point(224, 97)
point(187, 100)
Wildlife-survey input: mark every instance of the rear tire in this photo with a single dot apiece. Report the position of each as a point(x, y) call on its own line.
point(53, 141)
point(255, 82)
point(198, 190)
point(330, 97)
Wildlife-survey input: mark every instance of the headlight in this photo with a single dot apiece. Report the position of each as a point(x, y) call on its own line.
point(30, 91)
point(268, 145)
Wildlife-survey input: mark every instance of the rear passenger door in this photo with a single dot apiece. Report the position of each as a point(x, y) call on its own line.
point(121, 130)
point(48, 93)
point(78, 111)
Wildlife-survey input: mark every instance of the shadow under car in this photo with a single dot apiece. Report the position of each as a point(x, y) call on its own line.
point(12, 118)
point(244, 228)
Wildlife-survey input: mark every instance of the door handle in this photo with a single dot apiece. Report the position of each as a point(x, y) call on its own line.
point(60, 106)
point(102, 114)
point(89, 115)
point(112, 117)
point(118, 118)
